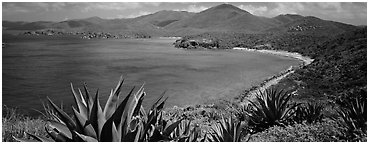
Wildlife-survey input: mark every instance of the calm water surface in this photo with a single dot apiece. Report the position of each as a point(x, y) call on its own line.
point(34, 69)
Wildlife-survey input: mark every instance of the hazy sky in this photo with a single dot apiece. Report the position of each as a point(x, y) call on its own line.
point(351, 13)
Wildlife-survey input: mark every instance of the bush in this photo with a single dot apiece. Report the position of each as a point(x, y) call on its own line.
point(15, 124)
point(270, 108)
point(326, 131)
point(309, 112)
point(354, 119)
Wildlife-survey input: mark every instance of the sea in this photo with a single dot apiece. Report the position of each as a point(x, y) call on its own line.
point(36, 68)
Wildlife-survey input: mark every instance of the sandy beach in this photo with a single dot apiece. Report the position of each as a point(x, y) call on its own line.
point(305, 60)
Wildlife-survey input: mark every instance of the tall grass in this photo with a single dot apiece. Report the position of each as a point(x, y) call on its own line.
point(16, 124)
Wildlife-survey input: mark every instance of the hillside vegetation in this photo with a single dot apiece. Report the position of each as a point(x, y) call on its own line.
point(323, 101)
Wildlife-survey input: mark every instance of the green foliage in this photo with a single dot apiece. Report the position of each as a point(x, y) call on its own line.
point(325, 131)
point(309, 112)
point(122, 119)
point(226, 130)
point(354, 118)
point(270, 108)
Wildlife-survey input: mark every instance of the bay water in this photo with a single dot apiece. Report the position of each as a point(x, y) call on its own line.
point(34, 69)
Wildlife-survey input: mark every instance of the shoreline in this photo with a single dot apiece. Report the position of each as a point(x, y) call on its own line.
point(265, 84)
point(273, 80)
point(204, 114)
point(306, 60)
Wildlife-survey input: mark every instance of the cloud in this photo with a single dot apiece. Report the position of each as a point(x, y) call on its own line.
point(253, 9)
point(141, 13)
point(109, 6)
point(13, 7)
point(83, 6)
point(286, 8)
point(330, 5)
point(152, 3)
point(35, 6)
point(337, 11)
point(193, 8)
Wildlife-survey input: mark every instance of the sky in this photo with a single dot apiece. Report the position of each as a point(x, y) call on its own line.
point(350, 13)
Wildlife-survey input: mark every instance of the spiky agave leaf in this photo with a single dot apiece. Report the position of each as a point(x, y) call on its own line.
point(185, 133)
point(80, 102)
point(124, 121)
point(309, 112)
point(117, 118)
point(86, 138)
point(182, 132)
point(111, 104)
point(97, 118)
point(61, 128)
point(226, 130)
point(63, 116)
point(55, 135)
point(271, 107)
point(88, 98)
point(354, 115)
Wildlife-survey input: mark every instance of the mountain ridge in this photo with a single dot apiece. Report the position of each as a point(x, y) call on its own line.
point(221, 18)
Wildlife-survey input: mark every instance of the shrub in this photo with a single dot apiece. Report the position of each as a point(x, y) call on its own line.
point(326, 131)
point(185, 133)
point(354, 119)
point(270, 108)
point(15, 124)
point(308, 112)
point(226, 130)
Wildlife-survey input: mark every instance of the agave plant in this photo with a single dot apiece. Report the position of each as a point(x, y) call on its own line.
point(309, 112)
point(270, 107)
point(226, 130)
point(185, 132)
point(354, 117)
point(122, 119)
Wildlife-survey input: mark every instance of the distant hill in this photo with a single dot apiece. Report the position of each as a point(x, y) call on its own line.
point(311, 25)
point(221, 18)
point(163, 18)
point(26, 25)
point(283, 19)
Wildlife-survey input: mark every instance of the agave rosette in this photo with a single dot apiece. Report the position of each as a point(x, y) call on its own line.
point(122, 119)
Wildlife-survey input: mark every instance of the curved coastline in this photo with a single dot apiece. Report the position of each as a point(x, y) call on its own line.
point(203, 113)
point(250, 93)
point(265, 84)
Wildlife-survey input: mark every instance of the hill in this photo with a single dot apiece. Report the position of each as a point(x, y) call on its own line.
point(283, 19)
point(310, 25)
point(339, 72)
point(7, 25)
point(163, 18)
point(222, 18)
